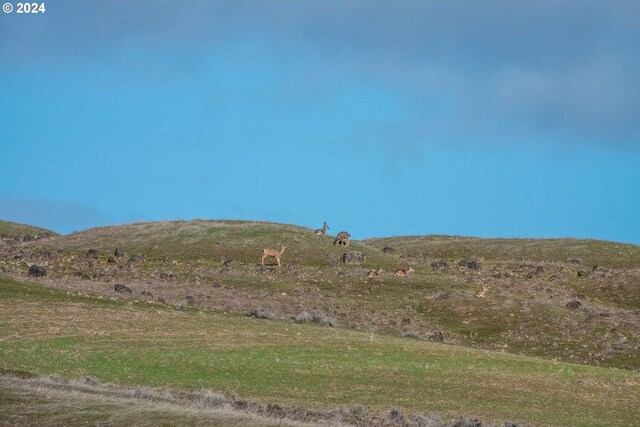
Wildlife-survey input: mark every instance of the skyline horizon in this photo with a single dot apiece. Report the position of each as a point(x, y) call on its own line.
point(499, 119)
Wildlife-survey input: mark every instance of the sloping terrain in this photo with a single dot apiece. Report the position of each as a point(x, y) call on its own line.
point(139, 363)
point(566, 299)
point(14, 231)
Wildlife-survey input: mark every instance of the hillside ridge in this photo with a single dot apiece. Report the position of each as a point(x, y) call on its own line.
point(570, 299)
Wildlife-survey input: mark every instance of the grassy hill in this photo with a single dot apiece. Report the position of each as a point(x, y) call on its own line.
point(241, 241)
point(164, 304)
point(572, 251)
point(569, 300)
point(150, 348)
point(10, 229)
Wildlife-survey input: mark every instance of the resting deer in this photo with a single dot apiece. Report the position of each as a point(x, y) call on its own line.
point(342, 239)
point(402, 272)
point(374, 273)
point(276, 253)
point(322, 231)
point(482, 293)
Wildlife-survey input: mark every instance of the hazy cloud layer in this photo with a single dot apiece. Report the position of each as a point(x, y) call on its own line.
point(493, 70)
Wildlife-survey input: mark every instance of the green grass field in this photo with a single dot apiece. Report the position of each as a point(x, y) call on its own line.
point(45, 331)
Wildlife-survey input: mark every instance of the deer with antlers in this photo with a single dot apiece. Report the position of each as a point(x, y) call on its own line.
point(271, 252)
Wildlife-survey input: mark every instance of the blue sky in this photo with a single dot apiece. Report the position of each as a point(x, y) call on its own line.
point(491, 119)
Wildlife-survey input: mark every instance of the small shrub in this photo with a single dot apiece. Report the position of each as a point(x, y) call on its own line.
point(466, 422)
point(139, 393)
point(92, 381)
point(167, 395)
point(430, 420)
point(318, 317)
point(396, 415)
point(261, 314)
point(412, 334)
point(55, 378)
point(358, 411)
point(208, 399)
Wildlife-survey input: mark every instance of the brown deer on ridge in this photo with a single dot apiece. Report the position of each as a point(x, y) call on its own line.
point(374, 273)
point(342, 238)
point(271, 252)
point(402, 272)
point(323, 231)
point(483, 292)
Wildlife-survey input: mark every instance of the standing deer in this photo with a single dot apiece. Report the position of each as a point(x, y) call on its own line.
point(374, 273)
point(276, 253)
point(402, 272)
point(322, 231)
point(482, 293)
point(342, 239)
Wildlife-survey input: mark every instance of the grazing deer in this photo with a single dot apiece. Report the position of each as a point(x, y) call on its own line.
point(276, 253)
point(482, 293)
point(322, 231)
point(374, 273)
point(402, 272)
point(342, 239)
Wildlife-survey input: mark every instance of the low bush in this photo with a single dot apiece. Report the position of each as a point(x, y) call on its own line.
point(318, 317)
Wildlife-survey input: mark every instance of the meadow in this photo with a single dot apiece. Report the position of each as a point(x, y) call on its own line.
point(48, 332)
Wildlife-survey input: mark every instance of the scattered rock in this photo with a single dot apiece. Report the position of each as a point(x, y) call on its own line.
point(119, 287)
point(118, 253)
point(190, 301)
point(575, 261)
point(436, 337)
point(266, 269)
point(353, 257)
point(573, 305)
point(167, 275)
point(227, 263)
point(92, 253)
point(445, 295)
point(582, 273)
point(388, 250)
point(440, 264)
point(37, 271)
point(81, 275)
point(111, 260)
point(469, 263)
point(599, 271)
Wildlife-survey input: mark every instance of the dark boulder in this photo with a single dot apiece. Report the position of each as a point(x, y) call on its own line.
point(388, 250)
point(92, 253)
point(353, 257)
point(469, 263)
point(573, 305)
point(37, 271)
point(122, 289)
point(440, 264)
